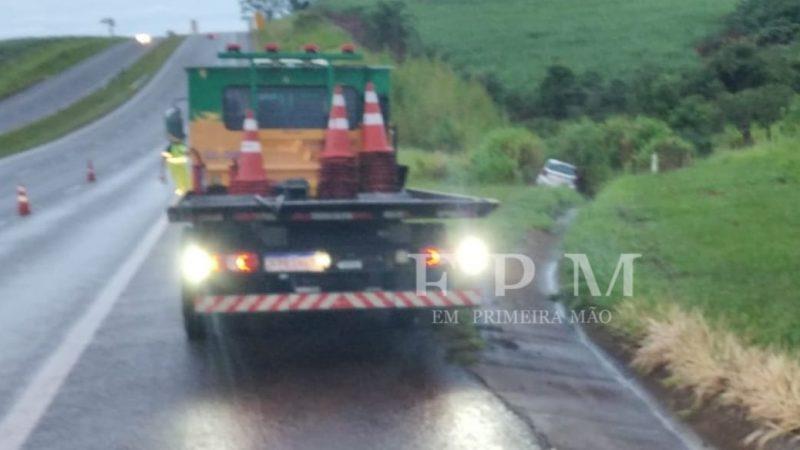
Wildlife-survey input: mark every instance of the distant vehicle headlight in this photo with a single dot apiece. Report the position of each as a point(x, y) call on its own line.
point(472, 255)
point(143, 38)
point(197, 264)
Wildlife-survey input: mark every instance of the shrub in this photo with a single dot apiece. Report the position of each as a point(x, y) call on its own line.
point(434, 108)
point(487, 165)
point(673, 153)
point(790, 124)
point(625, 138)
point(582, 143)
point(507, 154)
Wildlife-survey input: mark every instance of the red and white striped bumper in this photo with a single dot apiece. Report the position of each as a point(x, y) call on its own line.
point(269, 303)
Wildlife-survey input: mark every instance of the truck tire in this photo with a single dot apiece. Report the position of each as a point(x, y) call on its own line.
point(193, 323)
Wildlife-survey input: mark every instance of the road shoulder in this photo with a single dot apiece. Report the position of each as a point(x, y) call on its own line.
point(543, 371)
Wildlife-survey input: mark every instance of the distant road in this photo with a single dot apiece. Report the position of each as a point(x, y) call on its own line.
point(64, 89)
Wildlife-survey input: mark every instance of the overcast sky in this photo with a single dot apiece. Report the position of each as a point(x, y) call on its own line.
point(82, 17)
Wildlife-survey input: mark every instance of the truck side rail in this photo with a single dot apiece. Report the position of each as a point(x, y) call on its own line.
point(408, 204)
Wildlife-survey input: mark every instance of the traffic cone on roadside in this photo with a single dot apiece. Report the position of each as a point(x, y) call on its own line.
point(251, 178)
point(91, 177)
point(338, 175)
point(23, 206)
point(378, 165)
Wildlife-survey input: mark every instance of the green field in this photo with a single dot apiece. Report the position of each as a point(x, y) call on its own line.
point(99, 103)
point(518, 39)
point(721, 236)
point(24, 62)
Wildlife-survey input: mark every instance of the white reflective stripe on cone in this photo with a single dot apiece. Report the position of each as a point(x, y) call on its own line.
point(371, 97)
point(338, 124)
point(251, 147)
point(250, 124)
point(373, 119)
point(338, 100)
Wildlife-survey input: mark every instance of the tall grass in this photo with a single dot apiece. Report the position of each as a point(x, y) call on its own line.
point(24, 62)
point(715, 364)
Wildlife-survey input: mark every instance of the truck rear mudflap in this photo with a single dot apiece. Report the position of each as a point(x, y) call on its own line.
point(329, 301)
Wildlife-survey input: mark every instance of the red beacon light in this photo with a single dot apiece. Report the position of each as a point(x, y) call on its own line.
point(272, 47)
point(348, 48)
point(311, 48)
point(232, 47)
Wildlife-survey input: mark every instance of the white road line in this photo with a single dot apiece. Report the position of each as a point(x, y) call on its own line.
point(29, 407)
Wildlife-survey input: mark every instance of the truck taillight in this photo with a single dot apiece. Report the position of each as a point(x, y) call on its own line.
point(433, 256)
point(244, 262)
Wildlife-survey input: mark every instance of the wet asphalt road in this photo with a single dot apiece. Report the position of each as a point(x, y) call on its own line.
point(64, 89)
point(139, 384)
point(277, 384)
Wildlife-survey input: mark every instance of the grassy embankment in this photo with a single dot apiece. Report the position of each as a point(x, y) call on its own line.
point(716, 290)
point(518, 39)
point(25, 62)
point(92, 107)
point(430, 100)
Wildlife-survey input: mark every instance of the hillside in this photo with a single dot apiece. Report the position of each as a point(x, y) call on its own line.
point(518, 39)
point(714, 236)
point(24, 62)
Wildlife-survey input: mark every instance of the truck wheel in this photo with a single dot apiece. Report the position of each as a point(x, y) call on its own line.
point(193, 323)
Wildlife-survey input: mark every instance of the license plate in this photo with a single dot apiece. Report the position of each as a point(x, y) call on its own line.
point(349, 264)
point(291, 262)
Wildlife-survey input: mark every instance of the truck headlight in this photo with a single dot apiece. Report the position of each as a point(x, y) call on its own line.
point(322, 260)
point(472, 256)
point(197, 264)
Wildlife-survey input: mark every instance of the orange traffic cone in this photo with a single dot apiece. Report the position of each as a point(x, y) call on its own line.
point(250, 175)
point(377, 158)
point(338, 176)
point(23, 206)
point(337, 138)
point(91, 177)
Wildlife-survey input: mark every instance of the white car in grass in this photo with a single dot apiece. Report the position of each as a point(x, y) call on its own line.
point(557, 173)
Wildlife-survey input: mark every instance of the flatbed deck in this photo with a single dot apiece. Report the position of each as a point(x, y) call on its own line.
point(406, 204)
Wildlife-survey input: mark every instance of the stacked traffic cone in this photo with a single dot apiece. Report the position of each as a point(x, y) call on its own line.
point(338, 177)
point(250, 176)
point(91, 177)
point(377, 159)
point(23, 206)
